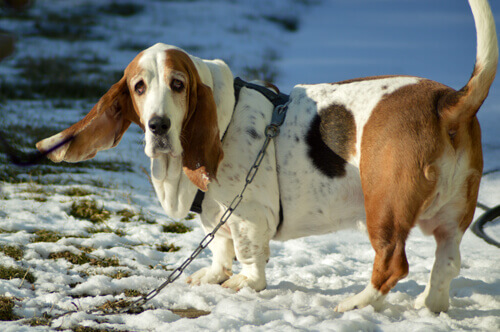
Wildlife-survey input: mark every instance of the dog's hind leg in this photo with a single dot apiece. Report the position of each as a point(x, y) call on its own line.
point(388, 238)
point(396, 185)
point(446, 267)
point(451, 224)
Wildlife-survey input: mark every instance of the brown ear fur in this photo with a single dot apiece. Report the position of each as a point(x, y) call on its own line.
point(102, 128)
point(200, 137)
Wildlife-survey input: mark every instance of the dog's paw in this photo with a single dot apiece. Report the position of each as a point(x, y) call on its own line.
point(369, 296)
point(350, 303)
point(239, 281)
point(435, 302)
point(209, 275)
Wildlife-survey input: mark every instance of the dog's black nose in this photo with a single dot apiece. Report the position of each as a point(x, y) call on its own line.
point(159, 125)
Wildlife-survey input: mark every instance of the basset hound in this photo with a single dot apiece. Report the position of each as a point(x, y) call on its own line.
point(391, 151)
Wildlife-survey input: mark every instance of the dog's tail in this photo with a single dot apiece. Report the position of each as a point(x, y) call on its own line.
point(462, 105)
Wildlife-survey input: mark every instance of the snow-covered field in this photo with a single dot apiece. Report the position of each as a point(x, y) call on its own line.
point(82, 264)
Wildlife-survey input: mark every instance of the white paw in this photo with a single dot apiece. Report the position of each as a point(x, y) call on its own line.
point(435, 302)
point(369, 296)
point(239, 281)
point(209, 275)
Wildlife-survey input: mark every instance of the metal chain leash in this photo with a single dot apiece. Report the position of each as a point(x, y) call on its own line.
point(271, 131)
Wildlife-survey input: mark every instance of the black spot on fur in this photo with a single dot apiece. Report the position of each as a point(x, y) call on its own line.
point(253, 133)
point(331, 140)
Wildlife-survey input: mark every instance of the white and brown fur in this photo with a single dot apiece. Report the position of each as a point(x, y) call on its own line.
point(395, 151)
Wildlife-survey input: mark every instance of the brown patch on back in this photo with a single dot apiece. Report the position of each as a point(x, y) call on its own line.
point(338, 130)
point(331, 140)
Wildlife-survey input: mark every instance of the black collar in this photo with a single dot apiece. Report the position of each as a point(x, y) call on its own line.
point(277, 99)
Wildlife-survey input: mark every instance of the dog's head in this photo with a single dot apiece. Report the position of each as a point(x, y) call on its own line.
point(162, 92)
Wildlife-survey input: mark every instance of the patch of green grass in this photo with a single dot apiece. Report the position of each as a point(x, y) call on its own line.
point(190, 216)
point(118, 274)
point(83, 258)
point(7, 309)
point(12, 251)
point(34, 189)
point(9, 273)
point(39, 193)
point(46, 236)
point(114, 305)
point(89, 210)
point(132, 293)
point(113, 166)
point(76, 259)
point(106, 229)
point(12, 174)
point(176, 227)
point(80, 328)
point(167, 247)
point(77, 192)
point(43, 320)
point(86, 250)
point(128, 216)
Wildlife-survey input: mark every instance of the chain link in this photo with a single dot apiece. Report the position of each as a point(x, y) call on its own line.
point(271, 132)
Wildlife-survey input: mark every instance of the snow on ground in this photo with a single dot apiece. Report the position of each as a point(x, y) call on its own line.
point(306, 277)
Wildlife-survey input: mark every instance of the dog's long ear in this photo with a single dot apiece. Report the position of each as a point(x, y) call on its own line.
point(200, 137)
point(102, 128)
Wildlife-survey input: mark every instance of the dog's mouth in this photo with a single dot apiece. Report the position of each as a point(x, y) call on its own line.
point(159, 145)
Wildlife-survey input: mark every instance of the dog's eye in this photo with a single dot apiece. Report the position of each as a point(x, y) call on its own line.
point(177, 85)
point(140, 87)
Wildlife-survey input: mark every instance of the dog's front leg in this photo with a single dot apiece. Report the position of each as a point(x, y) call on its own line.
point(251, 238)
point(223, 254)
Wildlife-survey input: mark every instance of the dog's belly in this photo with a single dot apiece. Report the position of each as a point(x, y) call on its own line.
point(313, 206)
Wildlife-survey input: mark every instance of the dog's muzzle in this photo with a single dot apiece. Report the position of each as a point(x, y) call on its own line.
point(159, 126)
point(157, 137)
